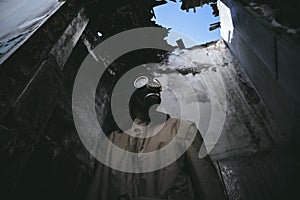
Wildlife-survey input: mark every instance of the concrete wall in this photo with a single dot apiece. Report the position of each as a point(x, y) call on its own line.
point(41, 154)
point(271, 60)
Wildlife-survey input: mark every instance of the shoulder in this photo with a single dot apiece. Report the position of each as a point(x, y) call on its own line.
point(182, 124)
point(182, 128)
point(117, 134)
point(188, 131)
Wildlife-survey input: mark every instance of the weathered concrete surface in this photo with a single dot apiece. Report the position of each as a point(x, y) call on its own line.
point(268, 56)
point(264, 175)
point(65, 45)
point(248, 125)
point(252, 155)
point(259, 48)
point(42, 156)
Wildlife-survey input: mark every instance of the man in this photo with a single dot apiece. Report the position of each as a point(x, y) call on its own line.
point(187, 178)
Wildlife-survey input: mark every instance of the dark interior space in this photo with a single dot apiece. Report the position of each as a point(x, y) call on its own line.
point(257, 155)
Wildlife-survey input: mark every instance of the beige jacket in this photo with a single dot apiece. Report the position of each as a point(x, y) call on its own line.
point(188, 178)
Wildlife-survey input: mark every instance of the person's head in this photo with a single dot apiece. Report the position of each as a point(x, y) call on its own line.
point(146, 95)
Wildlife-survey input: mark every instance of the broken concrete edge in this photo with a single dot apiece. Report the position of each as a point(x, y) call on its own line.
point(17, 46)
point(188, 4)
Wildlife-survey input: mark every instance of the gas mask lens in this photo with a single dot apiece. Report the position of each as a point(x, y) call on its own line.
point(143, 81)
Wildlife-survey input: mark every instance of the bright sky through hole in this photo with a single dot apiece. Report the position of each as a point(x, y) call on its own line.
point(193, 25)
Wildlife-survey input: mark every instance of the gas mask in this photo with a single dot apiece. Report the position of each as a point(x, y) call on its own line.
point(147, 91)
point(145, 100)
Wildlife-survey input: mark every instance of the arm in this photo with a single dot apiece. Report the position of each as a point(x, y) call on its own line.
point(202, 172)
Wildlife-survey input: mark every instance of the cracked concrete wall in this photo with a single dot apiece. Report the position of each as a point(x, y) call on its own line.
point(270, 57)
point(41, 153)
point(39, 146)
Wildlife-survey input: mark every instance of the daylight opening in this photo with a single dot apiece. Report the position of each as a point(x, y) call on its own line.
point(200, 25)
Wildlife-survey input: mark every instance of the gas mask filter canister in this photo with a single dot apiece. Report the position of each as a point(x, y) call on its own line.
point(149, 90)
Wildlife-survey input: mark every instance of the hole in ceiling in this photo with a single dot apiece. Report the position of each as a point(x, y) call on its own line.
point(193, 25)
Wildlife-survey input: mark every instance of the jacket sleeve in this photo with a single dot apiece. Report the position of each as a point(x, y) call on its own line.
point(95, 186)
point(205, 181)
